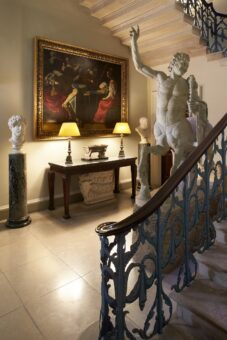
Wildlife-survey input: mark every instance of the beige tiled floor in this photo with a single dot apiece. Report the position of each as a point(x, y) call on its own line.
point(49, 272)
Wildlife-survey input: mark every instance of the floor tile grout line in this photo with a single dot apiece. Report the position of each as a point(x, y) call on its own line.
point(34, 322)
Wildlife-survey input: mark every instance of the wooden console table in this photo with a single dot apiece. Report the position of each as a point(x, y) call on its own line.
point(82, 167)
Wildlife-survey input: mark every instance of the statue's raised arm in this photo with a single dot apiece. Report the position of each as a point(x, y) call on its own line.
point(140, 67)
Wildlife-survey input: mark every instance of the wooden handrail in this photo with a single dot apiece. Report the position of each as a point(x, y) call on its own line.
point(111, 228)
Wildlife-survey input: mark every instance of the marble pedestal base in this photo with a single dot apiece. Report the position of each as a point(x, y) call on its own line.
point(97, 186)
point(18, 214)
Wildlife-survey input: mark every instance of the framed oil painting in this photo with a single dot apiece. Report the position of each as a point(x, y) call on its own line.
point(76, 84)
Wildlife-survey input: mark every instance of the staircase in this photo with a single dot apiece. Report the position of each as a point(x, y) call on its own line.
point(167, 27)
point(201, 309)
point(171, 242)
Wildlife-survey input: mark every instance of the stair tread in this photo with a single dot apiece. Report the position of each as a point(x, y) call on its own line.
point(178, 329)
point(215, 257)
point(205, 299)
point(221, 226)
point(221, 231)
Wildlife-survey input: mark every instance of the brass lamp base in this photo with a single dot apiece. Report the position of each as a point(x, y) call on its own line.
point(121, 152)
point(69, 157)
point(69, 160)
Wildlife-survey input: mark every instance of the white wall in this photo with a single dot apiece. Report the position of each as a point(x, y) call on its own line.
point(66, 21)
point(219, 5)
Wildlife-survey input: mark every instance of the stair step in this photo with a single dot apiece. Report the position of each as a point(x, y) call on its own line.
point(221, 230)
point(204, 304)
point(215, 56)
point(212, 264)
point(179, 330)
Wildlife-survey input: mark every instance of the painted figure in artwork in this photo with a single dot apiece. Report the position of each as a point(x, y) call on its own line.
point(17, 126)
point(106, 103)
point(109, 102)
point(70, 103)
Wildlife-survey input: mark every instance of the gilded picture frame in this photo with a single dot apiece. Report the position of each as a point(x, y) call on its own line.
point(76, 84)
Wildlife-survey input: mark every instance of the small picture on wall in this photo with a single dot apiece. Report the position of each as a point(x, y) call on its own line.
point(75, 84)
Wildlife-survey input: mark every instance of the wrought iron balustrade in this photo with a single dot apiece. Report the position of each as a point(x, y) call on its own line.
point(213, 25)
point(160, 237)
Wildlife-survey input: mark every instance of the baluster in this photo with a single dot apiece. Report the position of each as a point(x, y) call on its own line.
point(202, 13)
point(184, 269)
point(120, 287)
point(208, 223)
point(206, 199)
point(195, 14)
point(208, 28)
point(106, 325)
point(160, 314)
point(187, 273)
point(215, 33)
point(223, 174)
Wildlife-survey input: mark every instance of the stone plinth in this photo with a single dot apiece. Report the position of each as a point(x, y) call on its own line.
point(18, 214)
point(97, 186)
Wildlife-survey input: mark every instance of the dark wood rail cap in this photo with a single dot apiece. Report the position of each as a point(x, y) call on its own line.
point(167, 188)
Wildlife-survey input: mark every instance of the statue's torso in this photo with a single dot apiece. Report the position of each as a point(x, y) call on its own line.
point(171, 100)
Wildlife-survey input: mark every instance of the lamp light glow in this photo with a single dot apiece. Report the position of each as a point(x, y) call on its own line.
point(69, 129)
point(121, 128)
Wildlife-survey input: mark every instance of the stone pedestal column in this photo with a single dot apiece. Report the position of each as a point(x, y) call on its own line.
point(18, 214)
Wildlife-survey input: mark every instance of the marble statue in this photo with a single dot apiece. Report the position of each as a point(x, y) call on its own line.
point(171, 129)
point(175, 97)
point(142, 130)
point(17, 125)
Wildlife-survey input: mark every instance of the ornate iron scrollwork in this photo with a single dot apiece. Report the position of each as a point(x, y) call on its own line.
point(135, 259)
point(213, 25)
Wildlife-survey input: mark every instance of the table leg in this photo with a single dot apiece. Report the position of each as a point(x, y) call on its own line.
point(51, 179)
point(116, 180)
point(133, 175)
point(66, 191)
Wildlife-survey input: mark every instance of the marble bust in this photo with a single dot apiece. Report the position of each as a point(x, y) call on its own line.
point(142, 130)
point(17, 126)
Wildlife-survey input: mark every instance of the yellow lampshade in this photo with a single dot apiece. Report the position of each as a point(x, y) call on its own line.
point(69, 129)
point(122, 128)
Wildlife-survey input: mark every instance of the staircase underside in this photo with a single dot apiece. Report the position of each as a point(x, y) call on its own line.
point(164, 28)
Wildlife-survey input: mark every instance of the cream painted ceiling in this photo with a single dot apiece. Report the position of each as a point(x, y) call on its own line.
point(164, 29)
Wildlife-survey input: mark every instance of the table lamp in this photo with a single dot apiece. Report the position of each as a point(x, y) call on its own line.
point(122, 128)
point(69, 130)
